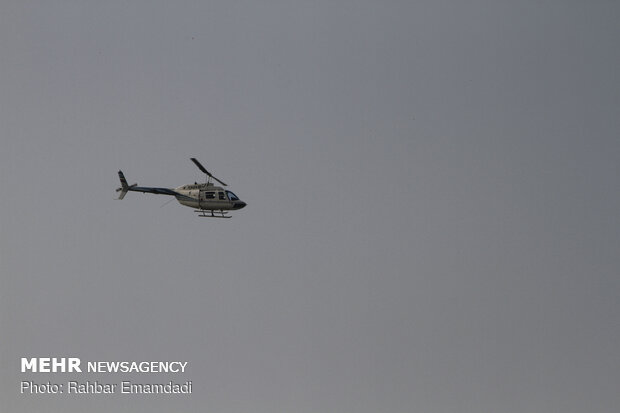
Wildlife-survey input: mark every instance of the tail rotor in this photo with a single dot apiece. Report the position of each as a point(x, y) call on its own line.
point(124, 187)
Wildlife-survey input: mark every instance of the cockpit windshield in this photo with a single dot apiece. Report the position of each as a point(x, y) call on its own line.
point(232, 196)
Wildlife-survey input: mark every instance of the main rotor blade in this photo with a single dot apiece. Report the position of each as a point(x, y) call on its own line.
point(217, 180)
point(202, 168)
point(199, 165)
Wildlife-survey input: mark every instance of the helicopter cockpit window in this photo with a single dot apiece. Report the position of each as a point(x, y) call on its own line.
point(232, 196)
point(209, 195)
point(221, 196)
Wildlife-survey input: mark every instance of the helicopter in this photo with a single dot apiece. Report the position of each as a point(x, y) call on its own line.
point(205, 197)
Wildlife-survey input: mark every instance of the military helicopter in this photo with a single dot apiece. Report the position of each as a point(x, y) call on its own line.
point(204, 197)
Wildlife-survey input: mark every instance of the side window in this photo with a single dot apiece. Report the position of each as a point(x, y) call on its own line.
point(209, 195)
point(221, 195)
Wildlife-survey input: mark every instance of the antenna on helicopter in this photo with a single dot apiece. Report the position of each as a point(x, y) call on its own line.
point(202, 168)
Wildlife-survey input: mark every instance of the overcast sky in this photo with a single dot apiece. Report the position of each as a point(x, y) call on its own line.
point(432, 188)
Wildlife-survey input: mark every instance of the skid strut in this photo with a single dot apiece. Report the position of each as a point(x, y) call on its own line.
point(203, 213)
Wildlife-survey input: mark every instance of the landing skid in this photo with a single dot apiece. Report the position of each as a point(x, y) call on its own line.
point(203, 213)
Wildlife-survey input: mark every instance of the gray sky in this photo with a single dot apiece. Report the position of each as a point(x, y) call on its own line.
point(432, 189)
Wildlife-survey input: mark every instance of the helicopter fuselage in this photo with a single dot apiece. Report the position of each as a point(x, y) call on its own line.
point(208, 197)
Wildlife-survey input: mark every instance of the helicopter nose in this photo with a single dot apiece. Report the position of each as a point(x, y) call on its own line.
point(240, 204)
